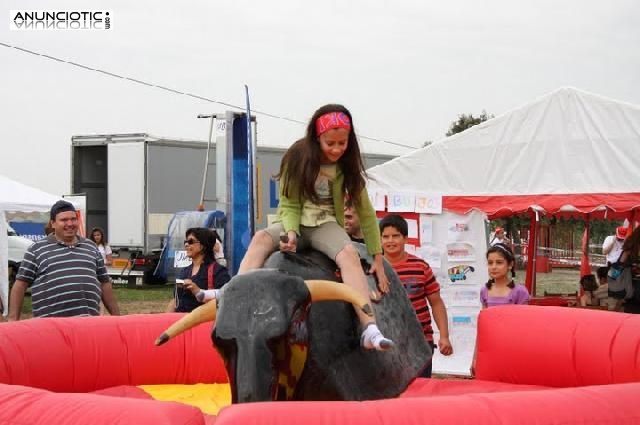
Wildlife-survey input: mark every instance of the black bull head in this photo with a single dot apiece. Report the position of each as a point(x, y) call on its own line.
point(279, 345)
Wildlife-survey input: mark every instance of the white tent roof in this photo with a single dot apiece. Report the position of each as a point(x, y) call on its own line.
point(15, 196)
point(580, 148)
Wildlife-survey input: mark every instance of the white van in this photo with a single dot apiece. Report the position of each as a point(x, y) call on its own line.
point(17, 247)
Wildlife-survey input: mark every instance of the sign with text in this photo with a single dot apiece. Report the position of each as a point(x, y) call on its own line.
point(428, 203)
point(181, 260)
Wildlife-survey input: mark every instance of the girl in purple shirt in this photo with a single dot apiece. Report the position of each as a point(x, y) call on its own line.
point(501, 289)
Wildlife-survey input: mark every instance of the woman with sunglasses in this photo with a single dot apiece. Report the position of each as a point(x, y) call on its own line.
point(204, 273)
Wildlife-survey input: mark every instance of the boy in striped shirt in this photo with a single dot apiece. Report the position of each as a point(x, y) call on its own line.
point(419, 281)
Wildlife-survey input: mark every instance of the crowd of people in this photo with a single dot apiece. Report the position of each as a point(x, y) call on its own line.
point(323, 205)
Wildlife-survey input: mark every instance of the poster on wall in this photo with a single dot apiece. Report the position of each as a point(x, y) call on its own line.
point(459, 230)
point(463, 323)
point(461, 274)
point(431, 254)
point(412, 227)
point(460, 251)
point(461, 296)
point(426, 229)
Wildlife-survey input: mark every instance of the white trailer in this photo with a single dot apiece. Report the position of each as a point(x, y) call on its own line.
point(135, 183)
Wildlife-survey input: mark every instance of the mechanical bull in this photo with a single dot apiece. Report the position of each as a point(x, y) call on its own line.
point(278, 343)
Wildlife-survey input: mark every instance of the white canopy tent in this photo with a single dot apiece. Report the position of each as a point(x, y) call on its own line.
point(17, 197)
point(568, 152)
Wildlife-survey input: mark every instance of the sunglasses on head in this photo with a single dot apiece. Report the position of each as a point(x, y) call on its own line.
point(191, 241)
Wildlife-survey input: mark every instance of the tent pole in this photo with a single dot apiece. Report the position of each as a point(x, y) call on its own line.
point(530, 280)
point(585, 264)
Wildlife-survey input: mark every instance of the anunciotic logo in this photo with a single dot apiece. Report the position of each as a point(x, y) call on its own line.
point(60, 19)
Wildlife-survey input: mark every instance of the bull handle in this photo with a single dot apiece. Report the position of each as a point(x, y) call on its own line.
point(204, 313)
point(326, 290)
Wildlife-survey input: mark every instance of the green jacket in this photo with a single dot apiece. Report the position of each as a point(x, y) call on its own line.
point(290, 210)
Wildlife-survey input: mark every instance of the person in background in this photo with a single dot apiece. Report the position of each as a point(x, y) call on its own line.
point(602, 293)
point(612, 245)
point(218, 252)
point(97, 236)
point(588, 285)
point(352, 222)
point(500, 237)
point(198, 282)
point(66, 273)
point(48, 229)
point(631, 254)
point(419, 282)
point(501, 289)
point(316, 174)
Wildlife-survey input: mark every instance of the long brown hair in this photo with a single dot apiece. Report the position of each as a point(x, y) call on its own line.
point(103, 240)
point(301, 163)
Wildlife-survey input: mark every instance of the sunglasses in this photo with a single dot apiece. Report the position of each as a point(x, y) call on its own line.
point(191, 241)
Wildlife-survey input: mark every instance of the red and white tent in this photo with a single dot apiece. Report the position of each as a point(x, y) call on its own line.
point(567, 153)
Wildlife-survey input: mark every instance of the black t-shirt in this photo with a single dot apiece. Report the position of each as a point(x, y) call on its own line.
point(185, 300)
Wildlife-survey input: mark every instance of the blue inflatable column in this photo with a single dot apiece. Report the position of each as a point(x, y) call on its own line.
point(241, 211)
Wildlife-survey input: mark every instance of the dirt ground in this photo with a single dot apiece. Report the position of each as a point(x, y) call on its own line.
point(136, 307)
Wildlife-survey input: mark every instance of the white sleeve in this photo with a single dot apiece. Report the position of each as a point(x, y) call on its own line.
point(217, 249)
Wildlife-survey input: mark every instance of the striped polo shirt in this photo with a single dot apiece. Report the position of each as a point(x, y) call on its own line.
point(64, 279)
point(419, 281)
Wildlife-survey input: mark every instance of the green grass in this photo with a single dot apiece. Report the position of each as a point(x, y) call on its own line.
point(559, 281)
point(145, 293)
point(127, 297)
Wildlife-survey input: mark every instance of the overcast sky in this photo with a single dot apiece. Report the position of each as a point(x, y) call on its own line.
point(405, 68)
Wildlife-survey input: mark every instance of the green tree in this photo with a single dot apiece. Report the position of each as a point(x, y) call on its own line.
point(465, 121)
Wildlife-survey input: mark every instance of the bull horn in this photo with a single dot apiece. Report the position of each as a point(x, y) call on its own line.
point(204, 313)
point(325, 290)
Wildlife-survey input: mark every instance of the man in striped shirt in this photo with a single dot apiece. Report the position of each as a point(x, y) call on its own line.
point(66, 273)
point(419, 281)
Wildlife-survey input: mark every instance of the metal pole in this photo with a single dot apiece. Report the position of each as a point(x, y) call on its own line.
point(206, 162)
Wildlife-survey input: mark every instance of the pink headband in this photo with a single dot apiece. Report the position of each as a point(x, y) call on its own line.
point(332, 120)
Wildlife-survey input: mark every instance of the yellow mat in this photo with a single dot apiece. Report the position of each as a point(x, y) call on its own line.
point(209, 398)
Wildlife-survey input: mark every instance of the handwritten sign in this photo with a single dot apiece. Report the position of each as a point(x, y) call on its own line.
point(377, 198)
point(401, 202)
point(181, 260)
point(428, 203)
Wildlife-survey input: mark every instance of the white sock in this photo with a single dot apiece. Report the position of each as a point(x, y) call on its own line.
point(207, 294)
point(372, 338)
